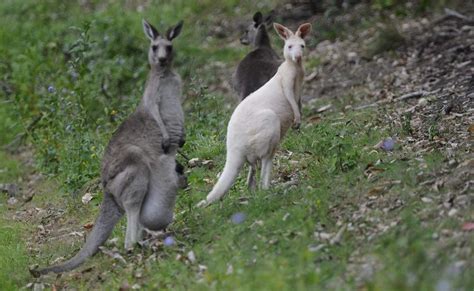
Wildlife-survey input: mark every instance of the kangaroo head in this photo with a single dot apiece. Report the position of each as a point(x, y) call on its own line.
point(294, 42)
point(161, 52)
point(252, 31)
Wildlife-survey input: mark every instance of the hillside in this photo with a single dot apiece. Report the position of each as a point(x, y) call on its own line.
point(374, 192)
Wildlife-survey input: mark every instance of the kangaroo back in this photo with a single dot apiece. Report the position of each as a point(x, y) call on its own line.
point(261, 64)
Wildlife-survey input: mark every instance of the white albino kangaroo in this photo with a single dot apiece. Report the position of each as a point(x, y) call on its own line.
point(261, 120)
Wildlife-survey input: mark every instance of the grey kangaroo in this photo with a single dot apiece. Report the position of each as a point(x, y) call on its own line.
point(261, 64)
point(139, 178)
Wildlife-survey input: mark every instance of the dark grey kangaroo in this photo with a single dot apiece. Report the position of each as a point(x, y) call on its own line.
point(138, 177)
point(261, 64)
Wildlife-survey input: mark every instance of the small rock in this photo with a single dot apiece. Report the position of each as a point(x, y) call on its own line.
point(191, 257)
point(38, 287)
point(125, 286)
point(317, 248)
point(352, 57)
point(230, 269)
point(202, 268)
point(87, 198)
point(422, 102)
point(194, 162)
point(12, 201)
point(452, 212)
point(10, 189)
point(324, 235)
point(426, 199)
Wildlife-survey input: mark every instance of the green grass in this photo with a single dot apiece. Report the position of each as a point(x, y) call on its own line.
point(77, 48)
point(13, 253)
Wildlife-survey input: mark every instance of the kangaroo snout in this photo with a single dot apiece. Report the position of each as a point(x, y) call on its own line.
point(162, 60)
point(244, 41)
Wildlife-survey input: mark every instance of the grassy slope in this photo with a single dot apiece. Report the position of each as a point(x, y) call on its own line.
point(272, 247)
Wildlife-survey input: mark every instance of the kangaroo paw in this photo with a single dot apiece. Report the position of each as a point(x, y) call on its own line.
point(165, 145)
point(202, 204)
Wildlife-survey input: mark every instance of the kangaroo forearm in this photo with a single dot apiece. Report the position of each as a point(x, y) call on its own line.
point(294, 107)
point(159, 121)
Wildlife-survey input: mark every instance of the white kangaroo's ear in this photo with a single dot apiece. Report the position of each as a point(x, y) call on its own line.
point(174, 31)
point(149, 30)
point(282, 31)
point(303, 30)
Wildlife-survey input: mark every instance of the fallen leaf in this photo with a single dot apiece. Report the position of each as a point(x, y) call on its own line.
point(468, 226)
point(88, 225)
point(87, 198)
point(112, 254)
point(376, 191)
point(371, 171)
point(194, 162)
point(314, 119)
point(471, 129)
point(191, 257)
point(323, 108)
point(337, 238)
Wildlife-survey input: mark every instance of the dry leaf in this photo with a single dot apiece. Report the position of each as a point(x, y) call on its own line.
point(468, 226)
point(87, 198)
point(314, 119)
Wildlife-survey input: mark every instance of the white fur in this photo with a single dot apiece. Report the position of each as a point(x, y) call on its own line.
point(261, 120)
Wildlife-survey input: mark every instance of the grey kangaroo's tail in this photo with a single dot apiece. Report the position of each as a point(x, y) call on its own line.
point(109, 215)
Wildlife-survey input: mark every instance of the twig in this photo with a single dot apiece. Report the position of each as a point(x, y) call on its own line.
point(104, 90)
point(411, 95)
point(415, 94)
point(183, 155)
point(455, 14)
point(18, 140)
point(383, 101)
point(450, 13)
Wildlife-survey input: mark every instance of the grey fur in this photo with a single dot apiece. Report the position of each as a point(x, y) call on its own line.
point(261, 64)
point(163, 96)
point(139, 178)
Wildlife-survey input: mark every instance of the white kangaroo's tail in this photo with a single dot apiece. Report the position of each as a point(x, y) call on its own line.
point(233, 165)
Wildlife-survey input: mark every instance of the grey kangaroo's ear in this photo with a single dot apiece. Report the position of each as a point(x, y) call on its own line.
point(269, 19)
point(173, 32)
point(258, 18)
point(149, 30)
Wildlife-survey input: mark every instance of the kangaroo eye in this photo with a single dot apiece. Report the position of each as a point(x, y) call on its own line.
point(169, 48)
point(302, 46)
point(290, 46)
point(154, 47)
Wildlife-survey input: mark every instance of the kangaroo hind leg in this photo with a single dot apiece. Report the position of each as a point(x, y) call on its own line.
point(130, 188)
point(251, 180)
